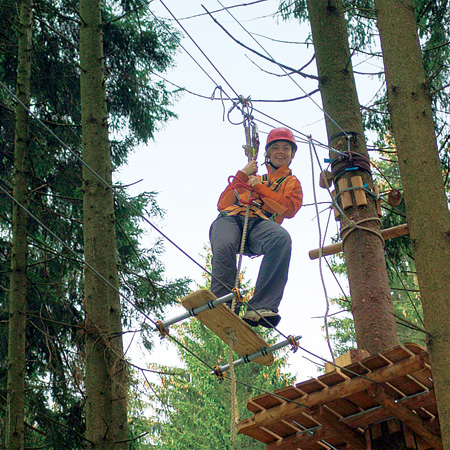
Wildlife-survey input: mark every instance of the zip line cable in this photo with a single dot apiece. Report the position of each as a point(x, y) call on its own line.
point(118, 291)
point(199, 48)
point(140, 215)
point(307, 137)
point(138, 309)
point(327, 310)
point(229, 85)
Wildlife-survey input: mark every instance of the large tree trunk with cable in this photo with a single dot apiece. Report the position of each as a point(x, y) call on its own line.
point(363, 247)
point(106, 379)
point(423, 186)
point(15, 428)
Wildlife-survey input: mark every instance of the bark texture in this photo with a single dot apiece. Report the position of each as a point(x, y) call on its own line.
point(372, 305)
point(106, 379)
point(15, 429)
point(423, 186)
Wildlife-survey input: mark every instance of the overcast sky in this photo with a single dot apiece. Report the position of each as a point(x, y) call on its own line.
point(190, 160)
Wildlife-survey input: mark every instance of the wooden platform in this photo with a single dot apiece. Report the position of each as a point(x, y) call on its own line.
point(221, 319)
point(337, 408)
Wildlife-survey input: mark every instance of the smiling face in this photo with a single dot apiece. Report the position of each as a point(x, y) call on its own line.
point(280, 153)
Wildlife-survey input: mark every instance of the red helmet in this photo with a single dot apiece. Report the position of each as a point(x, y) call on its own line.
point(281, 134)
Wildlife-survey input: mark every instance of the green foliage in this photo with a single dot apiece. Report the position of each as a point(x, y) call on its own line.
point(190, 408)
point(194, 408)
point(433, 19)
point(138, 107)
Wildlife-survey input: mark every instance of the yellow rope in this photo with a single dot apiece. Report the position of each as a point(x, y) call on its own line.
point(231, 334)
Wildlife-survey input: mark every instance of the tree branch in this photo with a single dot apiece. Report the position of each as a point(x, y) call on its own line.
point(305, 75)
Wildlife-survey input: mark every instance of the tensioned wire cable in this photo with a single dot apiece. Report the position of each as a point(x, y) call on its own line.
point(261, 390)
point(65, 245)
point(309, 139)
point(120, 196)
point(105, 183)
point(146, 315)
point(122, 295)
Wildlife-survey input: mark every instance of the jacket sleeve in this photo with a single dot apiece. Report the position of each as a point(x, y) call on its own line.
point(228, 197)
point(286, 203)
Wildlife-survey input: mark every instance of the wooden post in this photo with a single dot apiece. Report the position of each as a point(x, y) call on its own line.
point(387, 233)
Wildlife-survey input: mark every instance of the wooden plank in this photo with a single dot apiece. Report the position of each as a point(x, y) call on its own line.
point(387, 233)
point(345, 196)
point(304, 439)
point(376, 189)
point(348, 434)
point(405, 415)
point(221, 319)
point(336, 211)
point(340, 390)
point(267, 401)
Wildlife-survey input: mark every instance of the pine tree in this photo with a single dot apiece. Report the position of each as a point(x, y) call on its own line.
point(420, 168)
point(15, 432)
point(54, 352)
point(194, 408)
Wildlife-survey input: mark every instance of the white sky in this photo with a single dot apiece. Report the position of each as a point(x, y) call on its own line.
point(190, 160)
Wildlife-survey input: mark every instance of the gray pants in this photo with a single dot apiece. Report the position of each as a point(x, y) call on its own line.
point(264, 237)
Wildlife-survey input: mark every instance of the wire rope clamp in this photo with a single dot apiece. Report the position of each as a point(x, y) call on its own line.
point(219, 374)
point(237, 293)
point(162, 331)
point(294, 344)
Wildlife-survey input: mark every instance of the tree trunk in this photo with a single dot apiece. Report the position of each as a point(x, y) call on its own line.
point(15, 429)
point(423, 186)
point(106, 379)
point(372, 305)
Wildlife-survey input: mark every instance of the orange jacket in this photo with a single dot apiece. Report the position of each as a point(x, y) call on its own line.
point(280, 196)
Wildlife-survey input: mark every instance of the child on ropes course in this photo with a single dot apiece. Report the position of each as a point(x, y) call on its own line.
point(271, 198)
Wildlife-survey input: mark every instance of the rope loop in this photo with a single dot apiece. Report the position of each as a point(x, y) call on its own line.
point(217, 88)
point(352, 226)
point(349, 161)
point(235, 184)
point(245, 106)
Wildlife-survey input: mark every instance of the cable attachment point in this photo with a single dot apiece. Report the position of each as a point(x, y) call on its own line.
point(219, 374)
point(237, 294)
point(162, 331)
point(293, 342)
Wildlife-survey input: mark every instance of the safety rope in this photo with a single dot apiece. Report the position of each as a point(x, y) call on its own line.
point(251, 150)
